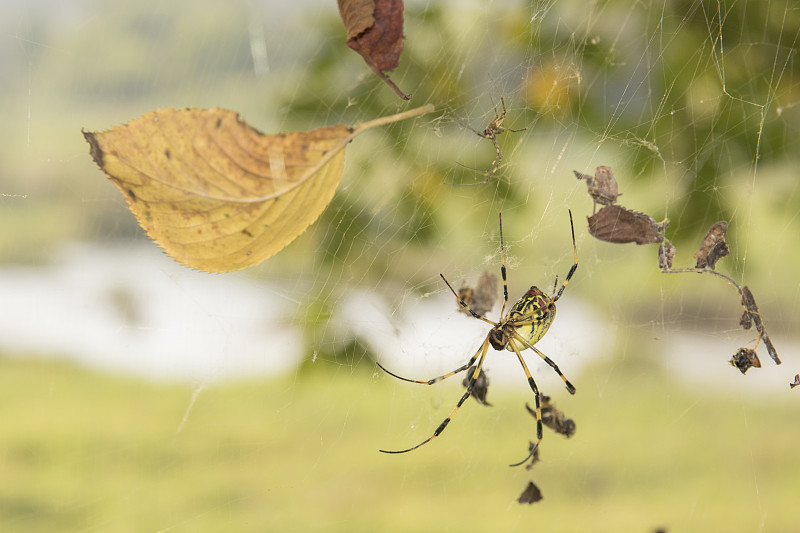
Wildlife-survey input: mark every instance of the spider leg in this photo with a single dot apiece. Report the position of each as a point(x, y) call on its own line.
point(482, 352)
point(503, 267)
point(553, 365)
point(574, 262)
point(531, 451)
point(436, 379)
point(536, 394)
point(488, 171)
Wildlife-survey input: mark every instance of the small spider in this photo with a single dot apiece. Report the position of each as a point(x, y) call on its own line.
point(491, 132)
point(521, 328)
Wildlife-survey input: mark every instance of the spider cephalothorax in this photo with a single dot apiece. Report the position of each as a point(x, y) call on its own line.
point(520, 329)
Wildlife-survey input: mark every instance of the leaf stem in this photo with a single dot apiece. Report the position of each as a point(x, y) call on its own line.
point(382, 121)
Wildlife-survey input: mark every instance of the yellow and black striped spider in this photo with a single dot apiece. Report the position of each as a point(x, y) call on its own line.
point(525, 324)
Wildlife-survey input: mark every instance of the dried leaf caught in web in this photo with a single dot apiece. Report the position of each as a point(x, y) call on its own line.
point(531, 494)
point(481, 298)
point(754, 316)
point(602, 187)
point(553, 418)
point(666, 254)
point(617, 224)
point(481, 386)
point(713, 247)
point(745, 359)
point(375, 31)
point(216, 194)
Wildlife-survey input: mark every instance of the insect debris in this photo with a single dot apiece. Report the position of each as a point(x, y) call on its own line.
point(602, 187)
point(745, 359)
point(796, 381)
point(481, 386)
point(554, 418)
point(666, 254)
point(713, 246)
point(480, 299)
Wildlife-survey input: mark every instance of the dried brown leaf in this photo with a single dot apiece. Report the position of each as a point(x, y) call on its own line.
point(751, 309)
point(375, 31)
point(713, 246)
point(666, 254)
point(531, 494)
point(617, 224)
point(216, 194)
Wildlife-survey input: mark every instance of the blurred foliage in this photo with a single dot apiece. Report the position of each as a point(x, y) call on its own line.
point(687, 96)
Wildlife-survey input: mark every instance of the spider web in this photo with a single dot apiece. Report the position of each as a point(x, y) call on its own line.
point(692, 104)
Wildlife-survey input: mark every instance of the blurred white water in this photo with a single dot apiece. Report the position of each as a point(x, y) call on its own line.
point(133, 310)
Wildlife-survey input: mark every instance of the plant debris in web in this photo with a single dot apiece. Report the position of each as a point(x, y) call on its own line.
point(796, 381)
point(711, 250)
point(602, 187)
point(745, 359)
point(753, 316)
point(375, 31)
point(481, 298)
point(481, 386)
point(620, 225)
point(666, 254)
point(554, 418)
point(713, 246)
point(531, 494)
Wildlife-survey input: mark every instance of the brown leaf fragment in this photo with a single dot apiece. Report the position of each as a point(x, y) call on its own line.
point(216, 194)
point(375, 31)
point(745, 359)
point(481, 298)
point(746, 322)
point(666, 254)
point(796, 381)
point(713, 246)
point(617, 224)
point(481, 386)
point(531, 494)
point(602, 187)
point(751, 309)
point(553, 418)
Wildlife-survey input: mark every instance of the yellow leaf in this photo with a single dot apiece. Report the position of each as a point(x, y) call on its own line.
point(216, 194)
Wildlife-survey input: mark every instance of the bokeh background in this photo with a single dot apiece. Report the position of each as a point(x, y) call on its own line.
point(138, 395)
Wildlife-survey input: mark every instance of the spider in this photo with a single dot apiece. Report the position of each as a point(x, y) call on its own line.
point(521, 328)
point(491, 132)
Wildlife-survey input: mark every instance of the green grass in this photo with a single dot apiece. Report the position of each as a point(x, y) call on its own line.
point(82, 451)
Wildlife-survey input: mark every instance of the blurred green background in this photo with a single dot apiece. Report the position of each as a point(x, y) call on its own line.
point(693, 104)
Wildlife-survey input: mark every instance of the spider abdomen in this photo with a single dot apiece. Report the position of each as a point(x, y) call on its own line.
point(531, 316)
